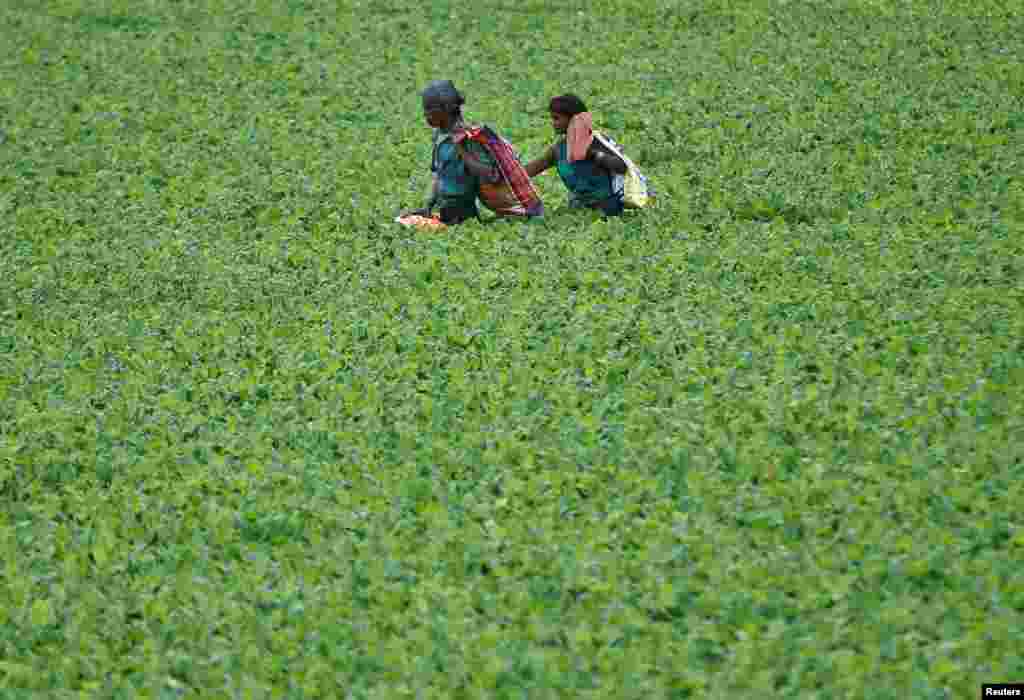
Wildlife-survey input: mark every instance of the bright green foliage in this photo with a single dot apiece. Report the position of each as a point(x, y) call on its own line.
point(764, 439)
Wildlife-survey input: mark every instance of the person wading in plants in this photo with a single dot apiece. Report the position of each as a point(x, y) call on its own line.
point(585, 165)
point(459, 165)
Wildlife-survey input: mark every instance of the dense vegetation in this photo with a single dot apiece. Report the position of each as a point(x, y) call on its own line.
point(764, 439)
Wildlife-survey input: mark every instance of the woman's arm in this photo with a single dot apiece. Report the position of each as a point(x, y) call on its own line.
point(609, 161)
point(431, 200)
point(487, 173)
point(536, 167)
point(435, 191)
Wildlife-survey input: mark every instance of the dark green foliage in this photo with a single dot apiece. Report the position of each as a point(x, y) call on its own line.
point(762, 439)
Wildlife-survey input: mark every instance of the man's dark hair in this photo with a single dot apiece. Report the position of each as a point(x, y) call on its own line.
point(567, 104)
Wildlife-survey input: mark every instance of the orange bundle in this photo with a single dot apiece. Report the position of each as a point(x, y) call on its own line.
point(421, 222)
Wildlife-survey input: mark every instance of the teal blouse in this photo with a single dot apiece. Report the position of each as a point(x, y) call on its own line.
point(456, 185)
point(588, 184)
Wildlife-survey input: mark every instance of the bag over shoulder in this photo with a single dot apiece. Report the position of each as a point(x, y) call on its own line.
point(636, 192)
point(515, 195)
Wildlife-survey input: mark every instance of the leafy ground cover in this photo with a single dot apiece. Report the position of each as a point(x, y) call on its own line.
point(256, 441)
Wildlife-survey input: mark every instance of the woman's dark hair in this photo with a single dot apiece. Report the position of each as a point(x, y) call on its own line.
point(444, 93)
point(567, 104)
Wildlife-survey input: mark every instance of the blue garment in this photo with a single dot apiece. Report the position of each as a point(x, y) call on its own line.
point(588, 185)
point(457, 187)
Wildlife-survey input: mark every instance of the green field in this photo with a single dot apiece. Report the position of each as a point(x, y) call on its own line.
point(764, 439)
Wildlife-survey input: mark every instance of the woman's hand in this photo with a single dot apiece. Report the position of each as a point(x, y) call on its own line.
point(538, 165)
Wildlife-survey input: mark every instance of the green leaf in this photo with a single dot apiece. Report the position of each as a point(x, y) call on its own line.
point(42, 613)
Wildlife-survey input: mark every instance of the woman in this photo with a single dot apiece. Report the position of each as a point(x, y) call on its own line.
point(584, 164)
point(459, 165)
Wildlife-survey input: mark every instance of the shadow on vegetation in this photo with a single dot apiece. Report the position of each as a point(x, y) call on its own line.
point(116, 22)
point(649, 157)
point(773, 207)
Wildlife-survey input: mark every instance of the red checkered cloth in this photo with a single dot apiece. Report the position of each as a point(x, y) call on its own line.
point(527, 199)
